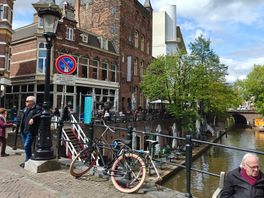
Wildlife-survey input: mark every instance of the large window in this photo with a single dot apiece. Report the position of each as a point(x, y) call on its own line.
point(104, 71)
point(141, 69)
point(135, 66)
point(113, 73)
point(84, 64)
point(69, 34)
point(94, 69)
point(1, 12)
point(42, 54)
point(142, 44)
point(136, 39)
point(148, 47)
point(40, 22)
point(6, 13)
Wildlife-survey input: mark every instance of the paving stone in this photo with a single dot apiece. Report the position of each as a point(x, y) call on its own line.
point(17, 182)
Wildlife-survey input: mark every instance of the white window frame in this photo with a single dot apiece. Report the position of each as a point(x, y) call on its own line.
point(69, 33)
point(40, 22)
point(113, 72)
point(105, 69)
point(84, 65)
point(2, 9)
point(41, 58)
point(84, 38)
point(103, 43)
point(141, 68)
point(136, 39)
point(92, 66)
point(135, 66)
point(142, 44)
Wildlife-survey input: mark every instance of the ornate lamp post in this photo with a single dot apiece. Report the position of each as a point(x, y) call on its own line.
point(50, 13)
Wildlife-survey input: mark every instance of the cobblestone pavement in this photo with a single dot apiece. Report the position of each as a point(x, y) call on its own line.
point(16, 182)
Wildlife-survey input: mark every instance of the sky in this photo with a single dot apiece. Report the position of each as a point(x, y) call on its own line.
point(234, 27)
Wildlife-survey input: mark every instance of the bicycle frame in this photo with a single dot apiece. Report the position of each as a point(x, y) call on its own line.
point(147, 157)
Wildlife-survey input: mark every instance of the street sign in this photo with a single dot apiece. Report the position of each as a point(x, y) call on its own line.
point(63, 79)
point(65, 64)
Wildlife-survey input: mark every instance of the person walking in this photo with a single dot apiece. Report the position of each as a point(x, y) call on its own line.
point(29, 125)
point(3, 126)
point(247, 181)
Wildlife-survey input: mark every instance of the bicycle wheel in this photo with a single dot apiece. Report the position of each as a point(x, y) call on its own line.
point(83, 162)
point(128, 173)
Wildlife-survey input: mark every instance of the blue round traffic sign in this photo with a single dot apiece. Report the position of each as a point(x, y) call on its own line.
point(65, 64)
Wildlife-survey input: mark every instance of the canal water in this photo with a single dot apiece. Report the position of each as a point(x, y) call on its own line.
point(216, 160)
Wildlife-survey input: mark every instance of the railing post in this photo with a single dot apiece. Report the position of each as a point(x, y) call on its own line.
point(188, 163)
point(59, 133)
point(129, 135)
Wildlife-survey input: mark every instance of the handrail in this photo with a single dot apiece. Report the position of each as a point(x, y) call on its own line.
point(80, 134)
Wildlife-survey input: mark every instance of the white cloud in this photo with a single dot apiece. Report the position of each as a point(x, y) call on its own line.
point(240, 69)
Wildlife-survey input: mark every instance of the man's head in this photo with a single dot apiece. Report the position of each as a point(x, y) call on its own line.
point(250, 163)
point(30, 101)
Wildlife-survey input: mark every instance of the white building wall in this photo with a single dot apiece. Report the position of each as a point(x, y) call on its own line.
point(164, 31)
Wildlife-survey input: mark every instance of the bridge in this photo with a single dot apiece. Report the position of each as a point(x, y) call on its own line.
point(245, 117)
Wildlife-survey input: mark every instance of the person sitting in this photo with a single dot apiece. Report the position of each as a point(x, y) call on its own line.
point(247, 181)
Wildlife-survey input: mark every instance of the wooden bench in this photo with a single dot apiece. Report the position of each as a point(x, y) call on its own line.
point(220, 187)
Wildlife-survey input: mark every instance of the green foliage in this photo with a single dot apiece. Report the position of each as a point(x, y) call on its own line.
point(188, 81)
point(252, 87)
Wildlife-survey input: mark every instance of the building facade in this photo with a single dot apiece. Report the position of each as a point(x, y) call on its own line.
point(128, 24)
point(111, 43)
point(96, 73)
point(6, 16)
point(167, 37)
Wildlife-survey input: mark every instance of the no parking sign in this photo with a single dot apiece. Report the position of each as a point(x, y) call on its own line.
point(65, 64)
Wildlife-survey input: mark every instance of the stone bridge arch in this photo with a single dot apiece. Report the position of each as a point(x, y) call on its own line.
point(244, 117)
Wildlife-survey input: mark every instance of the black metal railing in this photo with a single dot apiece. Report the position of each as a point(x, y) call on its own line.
point(188, 145)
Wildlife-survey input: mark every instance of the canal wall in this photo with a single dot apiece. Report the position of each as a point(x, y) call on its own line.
point(171, 169)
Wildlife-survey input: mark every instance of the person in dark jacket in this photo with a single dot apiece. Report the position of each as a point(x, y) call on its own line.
point(3, 125)
point(247, 181)
point(29, 124)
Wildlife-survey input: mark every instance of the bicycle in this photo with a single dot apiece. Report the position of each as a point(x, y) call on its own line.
point(147, 156)
point(127, 169)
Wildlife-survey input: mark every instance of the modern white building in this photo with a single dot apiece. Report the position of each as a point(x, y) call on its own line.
point(166, 36)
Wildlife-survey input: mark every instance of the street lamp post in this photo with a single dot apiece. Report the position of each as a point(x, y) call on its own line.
point(50, 13)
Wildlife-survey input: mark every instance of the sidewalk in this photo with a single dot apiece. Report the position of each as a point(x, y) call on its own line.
point(17, 182)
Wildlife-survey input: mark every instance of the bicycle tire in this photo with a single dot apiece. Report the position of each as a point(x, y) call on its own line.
point(83, 162)
point(128, 173)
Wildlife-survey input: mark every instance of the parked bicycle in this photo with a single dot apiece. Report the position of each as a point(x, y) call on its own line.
point(147, 157)
point(127, 169)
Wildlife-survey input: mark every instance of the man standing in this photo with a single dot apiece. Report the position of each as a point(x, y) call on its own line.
point(29, 125)
point(247, 181)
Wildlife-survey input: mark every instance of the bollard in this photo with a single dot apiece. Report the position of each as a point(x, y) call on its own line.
point(59, 133)
point(129, 135)
point(188, 163)
point(16, 134)
point(90, 134)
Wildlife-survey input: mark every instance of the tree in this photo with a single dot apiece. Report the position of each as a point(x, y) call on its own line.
point(253, 87)
point(193, 84)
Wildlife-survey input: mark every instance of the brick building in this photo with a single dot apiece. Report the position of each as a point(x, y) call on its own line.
point(97, 65)
point(128, 24)
point(111, 41)
point(6, 15)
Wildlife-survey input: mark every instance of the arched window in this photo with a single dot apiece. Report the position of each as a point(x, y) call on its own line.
point(136, 39)
point(142, 44)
